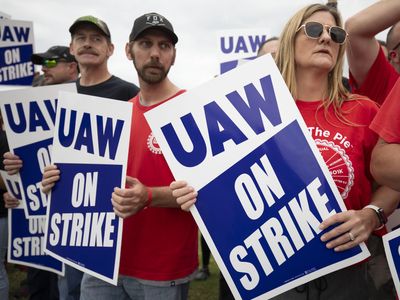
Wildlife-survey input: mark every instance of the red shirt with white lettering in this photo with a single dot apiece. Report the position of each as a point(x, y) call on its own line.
point(346, 149)
point(157, 243)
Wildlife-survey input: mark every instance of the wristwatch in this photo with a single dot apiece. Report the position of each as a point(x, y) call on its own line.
point(380, 213)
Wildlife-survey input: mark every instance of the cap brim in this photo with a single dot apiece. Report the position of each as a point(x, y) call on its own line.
point(171, 34)
point(39, 58)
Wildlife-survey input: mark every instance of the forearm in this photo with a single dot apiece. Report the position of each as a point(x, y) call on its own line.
point(362, 47)
point(386, 198)
point(370, 21)
point(385, 164)
point(162, 197)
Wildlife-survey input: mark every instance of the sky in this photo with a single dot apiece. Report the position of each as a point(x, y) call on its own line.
point(195, 22)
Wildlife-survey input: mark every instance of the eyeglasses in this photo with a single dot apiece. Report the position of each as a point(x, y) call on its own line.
point(314, 30)
point(49, 63)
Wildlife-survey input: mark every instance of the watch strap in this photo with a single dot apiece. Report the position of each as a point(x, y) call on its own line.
point(380, 213)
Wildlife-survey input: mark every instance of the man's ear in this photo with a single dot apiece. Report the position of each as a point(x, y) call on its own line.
point(110, 49)
point(173, 58)
point(128, 51)
point(71, 49)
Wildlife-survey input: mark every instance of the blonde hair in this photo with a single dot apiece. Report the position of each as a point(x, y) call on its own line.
point(285, 59)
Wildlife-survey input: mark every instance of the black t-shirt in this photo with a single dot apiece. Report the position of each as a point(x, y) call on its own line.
point(3, 149)
point(113, 88)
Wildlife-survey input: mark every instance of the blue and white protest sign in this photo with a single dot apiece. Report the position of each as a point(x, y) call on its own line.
point(26, 236)
point(236, 46)
point(16, 48)
point(391, 243)
point(29, 116)
point(263, 187)
point(91, 141)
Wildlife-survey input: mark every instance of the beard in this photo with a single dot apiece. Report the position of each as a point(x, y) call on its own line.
point(148, 74)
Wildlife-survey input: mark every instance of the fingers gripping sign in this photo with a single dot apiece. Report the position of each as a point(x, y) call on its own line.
point(12, 163)
point(130, 200)
point(185, 195)
point(51, 175)
point(354, 227)
point(10, 201)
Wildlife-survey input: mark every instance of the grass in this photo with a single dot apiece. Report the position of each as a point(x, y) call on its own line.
point(16, 275)
point(199, 290)
point(206, 289)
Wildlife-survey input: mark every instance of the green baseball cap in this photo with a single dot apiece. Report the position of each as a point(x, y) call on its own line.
point(90, 20)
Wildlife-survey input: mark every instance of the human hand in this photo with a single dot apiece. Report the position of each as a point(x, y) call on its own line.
point(10, 201)
point(12, 163)
point(185, 195)
point(355, 227)
point(51, 175)
point(129, 201)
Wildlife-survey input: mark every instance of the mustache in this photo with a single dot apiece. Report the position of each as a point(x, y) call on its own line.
point(87, 51)
point(153, 64)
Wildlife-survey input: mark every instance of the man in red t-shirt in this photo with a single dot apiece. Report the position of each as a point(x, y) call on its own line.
point(385, 163)
point(159, 240)
point(371, 74)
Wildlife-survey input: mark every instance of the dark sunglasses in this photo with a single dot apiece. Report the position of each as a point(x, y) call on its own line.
point(314, 30)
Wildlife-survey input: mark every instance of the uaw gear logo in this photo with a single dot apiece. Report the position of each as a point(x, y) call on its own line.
point(152, 144)
point(339, 165)
point(154, 20)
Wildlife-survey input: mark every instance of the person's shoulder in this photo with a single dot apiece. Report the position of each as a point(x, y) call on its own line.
point(361, 102)
point(122, 82)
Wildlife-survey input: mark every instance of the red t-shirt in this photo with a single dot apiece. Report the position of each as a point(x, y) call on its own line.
point(157, 243)
point(346, 149)
point(379, 82)
point(387, 122)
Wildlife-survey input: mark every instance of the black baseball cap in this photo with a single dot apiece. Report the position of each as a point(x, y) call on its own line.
point(100, 24)
point(152, 20)
point(55, 52)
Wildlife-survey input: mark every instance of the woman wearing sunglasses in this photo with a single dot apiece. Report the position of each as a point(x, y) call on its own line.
point(310, 59)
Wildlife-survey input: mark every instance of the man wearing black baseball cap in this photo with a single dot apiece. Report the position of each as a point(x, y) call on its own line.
point(58, 65)
point(159, 240)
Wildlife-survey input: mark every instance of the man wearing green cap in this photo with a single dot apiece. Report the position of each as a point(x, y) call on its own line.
point(92, 47)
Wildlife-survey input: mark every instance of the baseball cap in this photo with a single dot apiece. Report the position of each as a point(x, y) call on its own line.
point(55, 52)
point(152, 20)
point(90, 20)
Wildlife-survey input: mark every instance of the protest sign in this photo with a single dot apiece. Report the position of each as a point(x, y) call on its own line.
point(29, 116)
point(391, 243)
point(236, 46)
point(90, 149)
point(26, 236)
point(16, 48)
point(263, 187)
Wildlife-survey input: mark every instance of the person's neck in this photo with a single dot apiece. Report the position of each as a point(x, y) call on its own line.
point(92, 75)
point(151, 94)
point(311, 86)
